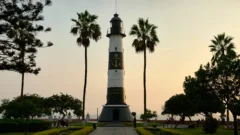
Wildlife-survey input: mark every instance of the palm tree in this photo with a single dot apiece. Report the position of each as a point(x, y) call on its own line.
point(222, 48)
point(146, 38)
point(86, 28)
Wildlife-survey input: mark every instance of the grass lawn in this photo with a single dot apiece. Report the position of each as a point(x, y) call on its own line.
point(14, 134)
point(150, 124)
point(80, 124)
point(198, 131)
point(99, 124)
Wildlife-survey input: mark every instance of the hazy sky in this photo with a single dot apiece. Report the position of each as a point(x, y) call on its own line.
point(185, 28)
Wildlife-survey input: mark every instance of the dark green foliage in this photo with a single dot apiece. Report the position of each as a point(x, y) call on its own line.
point(222, 48)
point(200, 92)
point(86, 27)
point(30, 105)
point(226, 82)
point(77, 110)
point(63, 103)
point(179, 105)
point(18, 51)
point(16, 109)
point(210, 125)
point(217, 85)
point(143, 131)
point(18, 125)
point(60, 131)
point(155, 131)
point(18, 35)
point(149, 114)
point(84, 131)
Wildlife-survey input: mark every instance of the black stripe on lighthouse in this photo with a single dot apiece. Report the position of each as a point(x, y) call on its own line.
point(116, 95)
point(115, 60)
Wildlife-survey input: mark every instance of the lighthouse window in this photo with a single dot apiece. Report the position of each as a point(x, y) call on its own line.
point(115, 48)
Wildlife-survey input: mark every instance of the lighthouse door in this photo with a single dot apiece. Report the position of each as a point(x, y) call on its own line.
point(115, 115)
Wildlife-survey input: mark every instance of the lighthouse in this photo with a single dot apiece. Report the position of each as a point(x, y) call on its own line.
point(116, 108)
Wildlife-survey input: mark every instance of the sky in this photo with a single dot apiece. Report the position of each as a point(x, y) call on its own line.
point(185, 29)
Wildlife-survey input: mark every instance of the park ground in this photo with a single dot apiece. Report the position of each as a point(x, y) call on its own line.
point(129, 129)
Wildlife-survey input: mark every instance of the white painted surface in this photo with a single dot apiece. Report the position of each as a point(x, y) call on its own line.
point(116, 42)
point(115, 83)
point(115, 79)
point(112, 74)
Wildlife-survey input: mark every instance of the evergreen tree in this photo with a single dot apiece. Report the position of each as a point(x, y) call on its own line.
point(18, 41)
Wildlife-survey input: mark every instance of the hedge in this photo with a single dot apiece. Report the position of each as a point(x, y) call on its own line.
point(83, 131)
point(175, 132)
point(162, 131)
point(129, 124)
point(143, 131)
point(19, 125)
point(51, 131)
point(56, 131)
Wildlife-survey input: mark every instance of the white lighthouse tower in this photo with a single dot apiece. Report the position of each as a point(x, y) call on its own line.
point(116, 108)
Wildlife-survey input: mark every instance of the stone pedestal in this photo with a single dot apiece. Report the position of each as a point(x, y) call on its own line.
point(112, 113)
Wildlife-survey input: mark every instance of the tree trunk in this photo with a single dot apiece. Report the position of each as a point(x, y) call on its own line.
point(190, 119)
point(25, 130)
point(22, 86)
point(23, 70)
point(181, 117)
point(63, 116)
point(235, 124)
point(227, 110)
point(144, 82)
point(227, 107)
point(85, 85)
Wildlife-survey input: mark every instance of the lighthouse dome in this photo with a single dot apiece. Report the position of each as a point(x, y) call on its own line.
point(116, 27)
point(116, 18)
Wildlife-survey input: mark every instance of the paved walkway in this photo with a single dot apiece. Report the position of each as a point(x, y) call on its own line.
point(114, 131)
point(115, 124)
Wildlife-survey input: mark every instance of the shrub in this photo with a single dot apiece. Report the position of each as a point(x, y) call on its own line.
point(174, 132)
point(143, 131)
point(210, 125)
point(56, 131)
point(51, 131)
point(101, 124)
point(83, 131)
point(18, 125)
point(129, 124)
point(191, 126)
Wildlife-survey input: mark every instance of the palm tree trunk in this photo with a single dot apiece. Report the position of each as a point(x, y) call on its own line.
point(22, 86)
point(235, 124)
point(144, 82)
point(85, 84)
point(227, 99)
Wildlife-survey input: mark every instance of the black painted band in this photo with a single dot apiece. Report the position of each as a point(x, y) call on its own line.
point(115, 60)
point(115, 95)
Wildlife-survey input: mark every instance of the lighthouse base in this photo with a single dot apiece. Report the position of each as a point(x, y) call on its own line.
point(112, 113)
